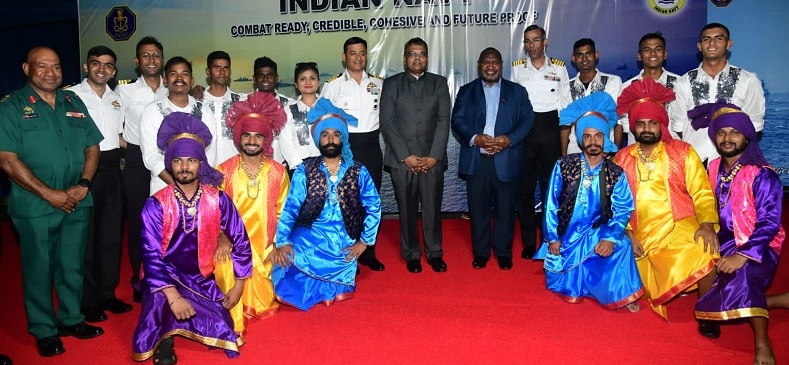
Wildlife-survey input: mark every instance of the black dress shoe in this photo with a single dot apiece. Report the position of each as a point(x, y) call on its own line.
point(5, 360)
point(527, 254)
point(437, 264)
point(116, 306)
point(414, 266)
point(50, 346)
point(83, 331)
point(137, 296)
point(373, 264)
point(94, 314)
point(505, 263)
point(710, 329)
point(479, 262)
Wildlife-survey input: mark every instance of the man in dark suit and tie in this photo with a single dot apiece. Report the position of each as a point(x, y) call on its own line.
point(491, 119)
point(415, 125)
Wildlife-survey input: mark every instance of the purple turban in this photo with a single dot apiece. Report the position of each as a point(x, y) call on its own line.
point(325, 115)
point(721, 114)
point(184, 135)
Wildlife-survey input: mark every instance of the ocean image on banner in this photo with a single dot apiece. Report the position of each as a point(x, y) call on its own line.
point(455, 30)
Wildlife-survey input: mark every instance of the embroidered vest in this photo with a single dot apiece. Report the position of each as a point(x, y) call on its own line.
point(743, 204)
point(208, 223)
point(570, 167)
point(347, 193)
point(274, 175)
point(701, 90)
point(681, 202)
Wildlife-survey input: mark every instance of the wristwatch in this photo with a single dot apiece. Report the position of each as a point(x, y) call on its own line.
point(84, 183)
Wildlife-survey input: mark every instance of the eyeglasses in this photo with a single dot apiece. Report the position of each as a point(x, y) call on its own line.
point(533, 41)
point(155, 55)
point(413, 54)
point(306, 64)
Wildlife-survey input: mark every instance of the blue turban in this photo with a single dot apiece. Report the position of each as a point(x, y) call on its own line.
point(325, 115)
point(597, 111)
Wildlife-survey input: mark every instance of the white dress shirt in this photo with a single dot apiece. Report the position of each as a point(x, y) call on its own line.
point(358, 99)
point(136, 96)
point(548, 86)
point(106, 111)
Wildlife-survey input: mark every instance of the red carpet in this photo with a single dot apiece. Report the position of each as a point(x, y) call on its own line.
point(463, 316)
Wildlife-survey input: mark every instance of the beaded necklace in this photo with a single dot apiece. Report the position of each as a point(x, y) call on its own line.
point(588, 177)
point(253, 187)
point(189, 207)
point(332, 174)
point(649, 163)
point(725, 178)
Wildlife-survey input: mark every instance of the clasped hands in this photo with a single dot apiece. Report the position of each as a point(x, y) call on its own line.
point(67, 200)
point(492, 145)
point(283, 256)
point(420, 164)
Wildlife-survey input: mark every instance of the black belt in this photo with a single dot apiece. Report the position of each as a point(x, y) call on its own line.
point(486, 155)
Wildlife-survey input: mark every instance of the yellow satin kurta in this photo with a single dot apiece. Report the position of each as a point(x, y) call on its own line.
point(258, 299)
point(672, 262)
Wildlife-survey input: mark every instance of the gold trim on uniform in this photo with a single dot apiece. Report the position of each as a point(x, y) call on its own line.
point(210, 341)
point(335, 77)
point(557, 62)
point(519, 62)
point(733, 314)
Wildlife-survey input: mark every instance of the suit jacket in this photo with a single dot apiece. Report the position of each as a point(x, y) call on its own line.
point(514, 119)
point(415, 118)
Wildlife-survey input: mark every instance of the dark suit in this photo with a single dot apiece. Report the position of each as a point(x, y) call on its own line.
point(492, 181)
point(415, 121)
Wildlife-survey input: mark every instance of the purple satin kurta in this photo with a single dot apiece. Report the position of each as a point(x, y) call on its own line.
point(179, 268)
point(741, 294)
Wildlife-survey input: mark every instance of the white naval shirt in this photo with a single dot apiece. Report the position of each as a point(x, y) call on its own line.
point(106, 111)
point(136, 96)
point(667, 79)
point(548, 87)
point(152, 116)
point(733, 84)
point(360, 100)
point(214, 112)
point(602, 81)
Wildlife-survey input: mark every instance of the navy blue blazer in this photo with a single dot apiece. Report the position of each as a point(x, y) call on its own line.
point(514, 119)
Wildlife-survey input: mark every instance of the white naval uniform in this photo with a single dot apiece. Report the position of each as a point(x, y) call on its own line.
point(136, 96)
point(548, 87)
point(667, 79)
point(360, 100)
point(106, 111)
point(733, 84)
point(152, 116)
point(602, 81)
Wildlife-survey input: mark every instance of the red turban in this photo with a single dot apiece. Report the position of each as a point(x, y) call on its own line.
point(646, 99)
point(260, 113)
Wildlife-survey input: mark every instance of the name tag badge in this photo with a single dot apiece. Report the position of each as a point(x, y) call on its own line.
point(75, 114)
point(550, 77)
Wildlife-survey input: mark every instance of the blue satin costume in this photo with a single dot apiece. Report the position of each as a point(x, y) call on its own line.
point(319, 272)
point(578, 271)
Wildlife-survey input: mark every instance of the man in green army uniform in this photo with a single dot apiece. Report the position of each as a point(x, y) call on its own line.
point(49, 147)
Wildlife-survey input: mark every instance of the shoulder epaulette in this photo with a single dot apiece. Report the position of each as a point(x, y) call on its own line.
point(335, 77)
point(374, 76)
point(5, 98)
point(519, 62)
point(557, 62)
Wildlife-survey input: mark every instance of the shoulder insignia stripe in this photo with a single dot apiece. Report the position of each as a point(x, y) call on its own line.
point(335, 77)
point(557, 61)
point(519, 62)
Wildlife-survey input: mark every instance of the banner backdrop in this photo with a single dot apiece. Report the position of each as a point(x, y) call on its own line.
point(290, 31)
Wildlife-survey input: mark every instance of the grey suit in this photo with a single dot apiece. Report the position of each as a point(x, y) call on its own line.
point(414, 120)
